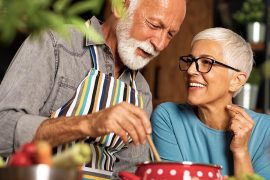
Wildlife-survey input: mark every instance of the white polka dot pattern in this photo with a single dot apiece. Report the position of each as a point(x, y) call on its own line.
point(210, 174)
point(186, 172)
point(186, 175)
point(199, 173)
point(149, 171)
point(173, 172)
point(160, 171)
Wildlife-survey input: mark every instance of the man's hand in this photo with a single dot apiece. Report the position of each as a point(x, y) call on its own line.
point(120, 119)
point(241, 126)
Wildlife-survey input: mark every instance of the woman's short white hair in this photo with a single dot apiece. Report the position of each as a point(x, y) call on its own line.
point(237, 52)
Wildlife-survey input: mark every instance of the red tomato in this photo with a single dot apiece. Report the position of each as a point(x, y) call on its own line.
point(30, 150)
point(20, 159)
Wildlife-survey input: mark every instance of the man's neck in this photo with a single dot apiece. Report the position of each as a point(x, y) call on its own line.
point(108, 29)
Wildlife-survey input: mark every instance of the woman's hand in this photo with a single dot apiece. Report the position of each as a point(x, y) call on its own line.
point(241, 125)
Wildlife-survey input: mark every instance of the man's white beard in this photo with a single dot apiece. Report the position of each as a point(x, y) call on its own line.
point(127, 46)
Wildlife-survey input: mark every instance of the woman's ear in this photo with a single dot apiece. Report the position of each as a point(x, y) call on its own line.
point(119, 7)
point(237, 81)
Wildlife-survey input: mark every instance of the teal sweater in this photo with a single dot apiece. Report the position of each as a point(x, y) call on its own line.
point(180, 136)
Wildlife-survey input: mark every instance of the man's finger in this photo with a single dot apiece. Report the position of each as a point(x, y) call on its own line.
point(128, 127)
point(118, 130)
point(142, 116)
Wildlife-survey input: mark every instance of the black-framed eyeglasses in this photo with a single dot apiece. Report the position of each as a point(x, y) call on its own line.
point(203, 64)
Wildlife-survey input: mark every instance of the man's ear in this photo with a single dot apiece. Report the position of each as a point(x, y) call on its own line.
point(119, 7)
point(237, 81)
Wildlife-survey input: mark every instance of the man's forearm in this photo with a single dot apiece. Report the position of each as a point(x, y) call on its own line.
point(61, 130)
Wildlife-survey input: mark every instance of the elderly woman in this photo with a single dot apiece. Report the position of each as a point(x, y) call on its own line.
point(209, 128)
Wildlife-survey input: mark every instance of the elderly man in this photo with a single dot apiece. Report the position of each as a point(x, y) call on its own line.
point(91, 91)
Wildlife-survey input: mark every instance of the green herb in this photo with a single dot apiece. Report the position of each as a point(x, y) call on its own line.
point(119, 7)
point(251, 11)
point(35, 16)
point(265, 68)
point(77, 155)
point(2, 162)
point(255, 77)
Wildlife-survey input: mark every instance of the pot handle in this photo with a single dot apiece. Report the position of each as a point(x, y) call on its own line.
point(124, 175)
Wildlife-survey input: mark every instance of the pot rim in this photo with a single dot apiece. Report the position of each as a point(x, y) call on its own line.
point(179, 163)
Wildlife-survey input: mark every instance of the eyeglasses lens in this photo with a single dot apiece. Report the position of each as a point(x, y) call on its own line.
point(202, 64)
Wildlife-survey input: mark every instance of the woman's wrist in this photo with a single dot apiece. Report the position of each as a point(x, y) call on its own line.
point(242, 163)
point(240, 154)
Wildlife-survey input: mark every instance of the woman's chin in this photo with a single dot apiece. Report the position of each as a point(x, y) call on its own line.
point(191, 102)
point(194, 101)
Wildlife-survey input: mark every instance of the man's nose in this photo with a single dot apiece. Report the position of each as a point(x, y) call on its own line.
point(160, 41)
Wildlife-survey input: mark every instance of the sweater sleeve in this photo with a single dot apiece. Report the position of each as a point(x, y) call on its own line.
point(163, 134)
point(261, 161)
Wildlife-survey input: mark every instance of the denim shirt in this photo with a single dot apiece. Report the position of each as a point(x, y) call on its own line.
point(43, 76)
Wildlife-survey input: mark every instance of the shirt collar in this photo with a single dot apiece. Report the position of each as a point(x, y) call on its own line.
point(95, 24)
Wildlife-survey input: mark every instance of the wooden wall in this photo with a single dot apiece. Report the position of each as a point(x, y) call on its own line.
point(162, 74)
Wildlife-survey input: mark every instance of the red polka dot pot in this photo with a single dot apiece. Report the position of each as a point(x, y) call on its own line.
point(174, 171)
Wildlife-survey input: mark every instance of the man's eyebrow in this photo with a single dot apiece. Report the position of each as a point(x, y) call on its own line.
point(162, 25)
point(156, 20)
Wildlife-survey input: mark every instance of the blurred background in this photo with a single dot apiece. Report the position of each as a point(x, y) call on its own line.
point(246, 17)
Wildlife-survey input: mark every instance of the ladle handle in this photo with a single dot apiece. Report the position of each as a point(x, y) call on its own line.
point(153, 148)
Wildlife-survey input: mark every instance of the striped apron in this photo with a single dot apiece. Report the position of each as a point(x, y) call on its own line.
point(98, 91)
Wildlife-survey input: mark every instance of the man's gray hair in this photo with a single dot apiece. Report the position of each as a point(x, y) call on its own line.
point(132, 7)
point(237, 52)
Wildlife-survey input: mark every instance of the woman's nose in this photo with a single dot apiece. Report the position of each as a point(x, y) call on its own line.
point(192, 68)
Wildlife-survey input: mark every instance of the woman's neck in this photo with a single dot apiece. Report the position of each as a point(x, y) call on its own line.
point(213, 117)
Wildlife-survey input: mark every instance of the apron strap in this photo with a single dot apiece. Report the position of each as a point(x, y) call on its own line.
point(93, 54)
point(133, 74)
